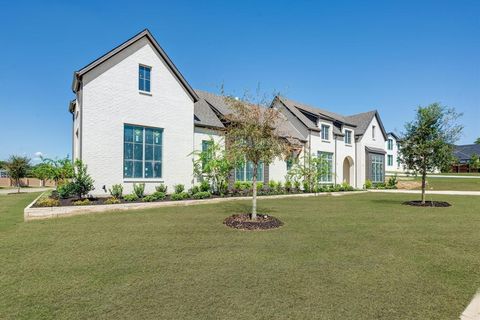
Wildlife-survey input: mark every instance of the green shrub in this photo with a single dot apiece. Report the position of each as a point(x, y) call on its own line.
point(306, 186)
point(179, 188)
point(48, 202)
point(272, 185)
point(380, 185)
point(194, 189)
point(180, 196)
point(161, 188)
point(259, 186)
point(112, 200)
point(82, 182)
point(158, 195)
point(296, 184)
point(202, 195)
point(65, 191)
point(149, 198)
point(205, 186)
point(84, 202)
point(279, 188)
point(237, 185)
point(368, 184)
point(288, 185)
point(116, 191)
point(130, 197)
point(392, 182)
point(139, 190)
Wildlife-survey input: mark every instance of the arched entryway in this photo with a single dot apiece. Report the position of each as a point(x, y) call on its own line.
point(348, 170)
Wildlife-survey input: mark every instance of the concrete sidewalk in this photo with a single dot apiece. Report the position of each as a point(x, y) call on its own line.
point(23, 190)
point(444, 192)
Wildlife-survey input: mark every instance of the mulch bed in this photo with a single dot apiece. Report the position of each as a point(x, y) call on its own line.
point(418, 203)
point(244, 222)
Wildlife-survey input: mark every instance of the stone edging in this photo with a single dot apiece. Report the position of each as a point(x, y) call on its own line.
point(31, 213)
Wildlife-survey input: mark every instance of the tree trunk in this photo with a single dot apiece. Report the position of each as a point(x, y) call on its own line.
point(424, 178)
point(18, 185)
point(254, 192)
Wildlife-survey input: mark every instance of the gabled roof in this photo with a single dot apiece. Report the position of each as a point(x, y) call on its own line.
point(221, 108)
point(204, 115)
point(77, 75)
point(362, 120)
point(394, 135)
point(465, 152)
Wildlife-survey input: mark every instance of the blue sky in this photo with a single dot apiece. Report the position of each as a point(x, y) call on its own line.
point(345, 56)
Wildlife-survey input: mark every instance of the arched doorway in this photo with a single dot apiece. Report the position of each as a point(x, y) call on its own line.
point(348, 170)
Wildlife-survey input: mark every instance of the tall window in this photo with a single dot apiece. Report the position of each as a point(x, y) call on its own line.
point(206, 144)
point(142, 152)
point(327, 161)
point(144, 78)
point(390, 144)
point(325, 132)
point(245, 172)
point(389, 160)
point(377, 168)
point(373, 132)
point(348, 137)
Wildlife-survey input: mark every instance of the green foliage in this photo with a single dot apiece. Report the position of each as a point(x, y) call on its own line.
point(194, 189)
point(202, 195)
point(242, 185)
point(279, 187)
point(48, 202)
point(139, 190)
point(180, 196)
point(82, 182)
point(368, 184)
point(212, 167)
point(149, 198)
point(474, 162)
point(65, 190)
point(130, 197)
point(179, 188)
point(477, 141)
point(288, 186)
point(392, 182)
point(17, 168)
point(259, 186)
point(84, 202)
point(116, 191)
point(159, 195)
point(59, 170)
point(296, 184)
point(272, 184)
point(42, 171)
point(310, 172)
point(428, 140)
point(112, 200)
point(161, 188)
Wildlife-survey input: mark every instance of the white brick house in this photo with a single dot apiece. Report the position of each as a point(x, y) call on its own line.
point(136, 119)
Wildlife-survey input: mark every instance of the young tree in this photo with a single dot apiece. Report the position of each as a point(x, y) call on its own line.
point(42, 172)
point(82, 182)
point(477, 141)
point(213, 165)
point(60, 170)
point(428, 140)
point(252, 136)
point(474, 162)
point(310, 170)
point(17, 168)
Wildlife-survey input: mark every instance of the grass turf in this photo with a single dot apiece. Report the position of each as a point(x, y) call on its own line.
point(361, 256)
point(460, 184)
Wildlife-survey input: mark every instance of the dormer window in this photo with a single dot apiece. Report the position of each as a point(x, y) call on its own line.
point(373, 132)
point(348, 137)
point(390, 144)
point(144, 78)
point(325, 132)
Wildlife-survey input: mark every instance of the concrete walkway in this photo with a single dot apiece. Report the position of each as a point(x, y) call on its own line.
point(444, 192)
point(23, 190)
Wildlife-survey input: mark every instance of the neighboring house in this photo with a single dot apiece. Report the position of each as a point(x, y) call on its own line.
point(3, 173)
point(463, 154)
point(393, 148)
point(137, 120)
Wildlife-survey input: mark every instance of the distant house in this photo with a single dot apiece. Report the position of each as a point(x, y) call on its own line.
point(3, 173)
point(463, 154)
point(393, 148)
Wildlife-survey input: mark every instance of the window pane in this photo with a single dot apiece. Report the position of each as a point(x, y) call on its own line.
point(157, 167)
point(128, 151)
point(128, 134)
point(149, 135)
point(157, 137)
point(128, 169)
point(141, 85)
point(249, 171)
point(147, 85)
point(138, 135)
point(141, 72)
point(148, 169)
point(147, 73)
point(149, 152)
point(260, 172)
point(138, 151)
point(137, 169)
point(157, 153)
point(240, 173)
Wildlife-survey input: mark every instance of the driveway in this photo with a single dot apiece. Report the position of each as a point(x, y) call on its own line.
point(23, 190)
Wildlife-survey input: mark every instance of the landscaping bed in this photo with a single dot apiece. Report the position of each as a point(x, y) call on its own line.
point(418, 203)
point(245, 222)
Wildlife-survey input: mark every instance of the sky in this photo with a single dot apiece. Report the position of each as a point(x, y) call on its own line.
point(344, 56)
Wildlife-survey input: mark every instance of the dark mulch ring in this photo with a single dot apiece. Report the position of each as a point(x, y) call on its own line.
point(244, 222)
point(418, 203)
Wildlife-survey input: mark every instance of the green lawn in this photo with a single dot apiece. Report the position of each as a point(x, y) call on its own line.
point(460, 184)
point(361, 256)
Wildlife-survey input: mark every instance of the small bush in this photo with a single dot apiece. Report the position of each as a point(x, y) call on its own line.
point(306, 186)
point(272, 185)
point(130, 197)
point(194, 189)
point(139, 190)
point(288, 185)
point(201, 195)
point(392, 182)
point(204, 186)
point(112, 200)
point(259, 186)
point(161, 188)
point(179, 188)
point(84, 202)
point(149, 198)
point(279, 188)
point(180, 196)
point(296, 185)
point(116, 191)
point(82, 182)
point(65, 190)
point(368, 184)
point(48, 202)
point(380, 185)
point(158, 195)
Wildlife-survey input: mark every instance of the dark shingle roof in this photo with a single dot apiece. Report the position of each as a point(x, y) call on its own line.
point(465, 152)
point(204, 115)
point(362, 120)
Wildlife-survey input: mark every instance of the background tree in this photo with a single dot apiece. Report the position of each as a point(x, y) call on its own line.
point(477, 141)
point(42, 172)
point(474, 162)
point(60, 170)
point(213, 165)
point(252, 136)
point(17, 168)
point(428, 140)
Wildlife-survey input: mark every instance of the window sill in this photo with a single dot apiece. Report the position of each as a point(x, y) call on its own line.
point(145, 93)
point(326, 141)
point(348, 145)
point(133, 180)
